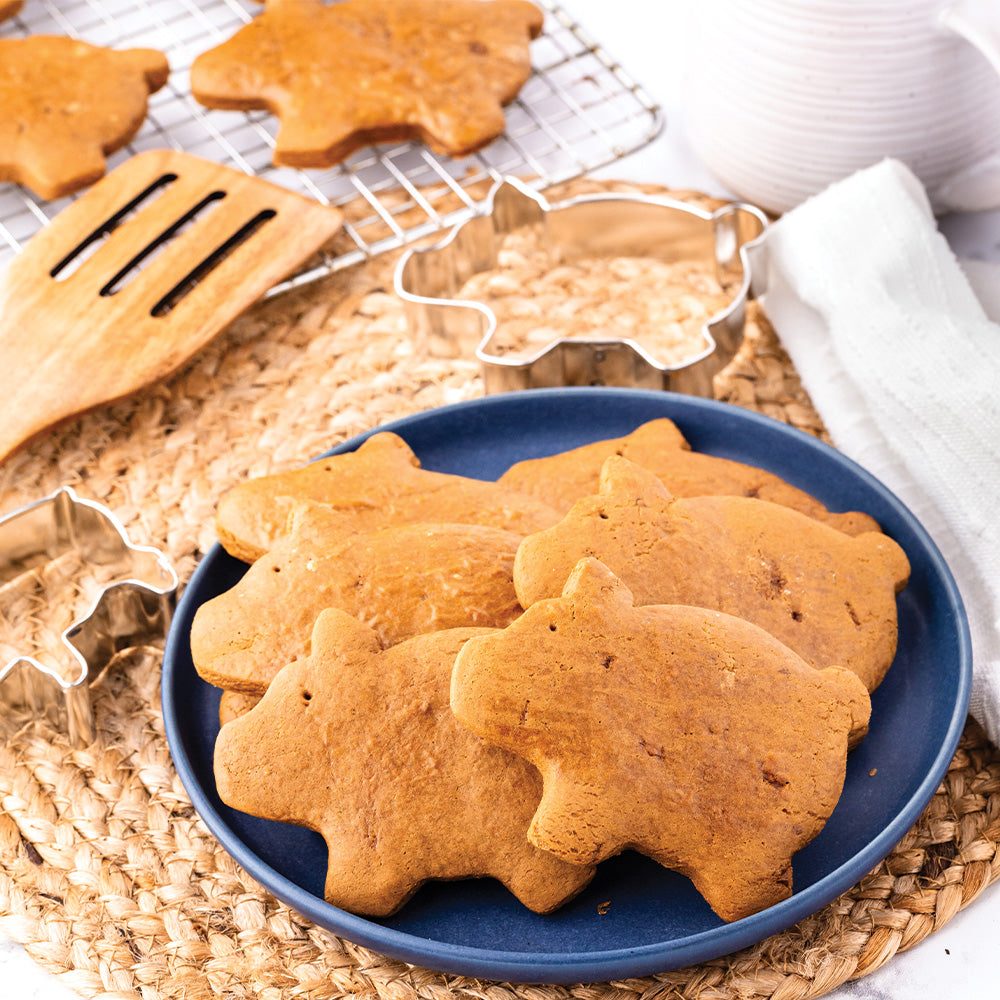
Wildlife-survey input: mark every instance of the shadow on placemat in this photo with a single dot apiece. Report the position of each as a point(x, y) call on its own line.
point(109, 877)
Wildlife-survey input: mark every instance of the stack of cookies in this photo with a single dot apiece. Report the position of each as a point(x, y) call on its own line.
point(630, 645)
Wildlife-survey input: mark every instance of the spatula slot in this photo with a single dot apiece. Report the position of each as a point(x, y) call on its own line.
point(157, 245)
point(191, 280)
point(87, 247)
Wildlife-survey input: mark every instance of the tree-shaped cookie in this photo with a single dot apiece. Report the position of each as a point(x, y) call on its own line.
point(829, 596)
point(360, 744)
point(65, 104)
point(379, 485)
point(343, 76)
point(686, 734)
point(401, 581)
point(659, 446)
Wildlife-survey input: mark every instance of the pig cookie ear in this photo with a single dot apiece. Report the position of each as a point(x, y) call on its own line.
point(621, 475)
point(388, 454)
point(390, 448)
point(313, 523)
point(592, 582)
point(336, 633)
point(307, 521)
point(653, 437)
point(150, 64)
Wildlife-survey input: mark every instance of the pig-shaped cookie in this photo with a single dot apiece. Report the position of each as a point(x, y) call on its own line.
point(560, 480)
point(65, 105)
point(359, 743)
point(378, 486)
point(829, 596)
point(402, 581)
point(686, 734)
point(345, 75)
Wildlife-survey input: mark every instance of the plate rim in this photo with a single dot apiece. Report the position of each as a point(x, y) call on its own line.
point(596, 965)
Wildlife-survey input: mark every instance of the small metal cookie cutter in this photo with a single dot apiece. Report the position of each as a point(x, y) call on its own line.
point(133, 606)
point(593, 225)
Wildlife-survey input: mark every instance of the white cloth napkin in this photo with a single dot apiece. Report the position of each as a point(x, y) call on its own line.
point(903, 365)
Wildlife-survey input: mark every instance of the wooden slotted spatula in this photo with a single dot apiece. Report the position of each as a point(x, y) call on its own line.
point(134, 277)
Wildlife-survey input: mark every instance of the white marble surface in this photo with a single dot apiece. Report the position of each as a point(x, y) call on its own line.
point(959, 960)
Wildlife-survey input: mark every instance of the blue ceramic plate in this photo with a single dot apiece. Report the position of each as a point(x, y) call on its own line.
point(656, 920)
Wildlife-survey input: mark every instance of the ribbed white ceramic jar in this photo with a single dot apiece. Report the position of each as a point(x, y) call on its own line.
point(782, 97)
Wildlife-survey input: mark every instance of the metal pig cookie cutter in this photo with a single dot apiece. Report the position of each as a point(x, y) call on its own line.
point(127, 591)
point(597, 225)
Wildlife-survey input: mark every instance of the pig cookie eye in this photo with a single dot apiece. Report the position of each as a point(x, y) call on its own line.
point(307, 696)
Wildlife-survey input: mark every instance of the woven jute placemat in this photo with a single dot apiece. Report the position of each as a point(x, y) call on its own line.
point(108, 876)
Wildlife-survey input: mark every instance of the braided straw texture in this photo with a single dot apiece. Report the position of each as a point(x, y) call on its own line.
point(108, 876)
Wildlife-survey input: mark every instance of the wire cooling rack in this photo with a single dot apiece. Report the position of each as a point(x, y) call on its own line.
point(578, 111)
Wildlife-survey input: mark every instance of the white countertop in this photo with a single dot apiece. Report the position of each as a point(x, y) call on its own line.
point(957, 961)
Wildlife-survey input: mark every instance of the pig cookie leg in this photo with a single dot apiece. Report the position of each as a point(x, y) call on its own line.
point(743, 884)
point(570, 824)
point(734, 880)
point(357, 881)
point(546, 883)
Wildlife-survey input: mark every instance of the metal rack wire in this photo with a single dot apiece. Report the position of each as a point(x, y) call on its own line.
point(578, 111)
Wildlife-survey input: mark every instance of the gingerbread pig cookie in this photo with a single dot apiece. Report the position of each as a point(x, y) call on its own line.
point(687, 734)
point(360, 744)
point(8, 8)
point(400, 581)
point(65, 104)
point(659, 446)
point(344, 76)
point(829, 596)
point(380, 485)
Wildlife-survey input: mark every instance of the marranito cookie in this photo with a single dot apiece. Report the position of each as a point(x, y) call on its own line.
point(344, 738)
point(659, 446)
point(400, 581)
point(829, 596)
point(687, 734)
point(347, 75)
point(380, 485)
point(65, 104)
point(8, 8)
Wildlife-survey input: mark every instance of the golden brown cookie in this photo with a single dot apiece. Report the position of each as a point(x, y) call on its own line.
point(400, 581)
point(8, 8)
point(829, 596)
point(351, 74)
point(687, 734)
point(360, 744)
point(380, 485)
point(560, 480)
point(65, 104)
